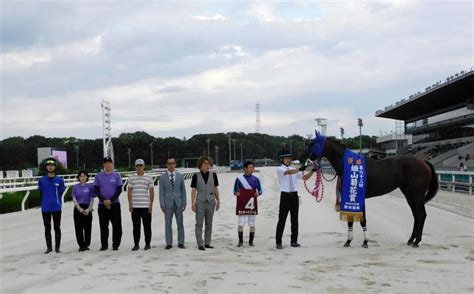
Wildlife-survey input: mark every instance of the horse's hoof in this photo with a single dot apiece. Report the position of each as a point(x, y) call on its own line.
point(415, 245)
point(347, 244)
point(365, 245)
point(410, 241)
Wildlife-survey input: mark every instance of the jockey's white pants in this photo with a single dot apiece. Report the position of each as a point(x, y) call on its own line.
point(250, 219)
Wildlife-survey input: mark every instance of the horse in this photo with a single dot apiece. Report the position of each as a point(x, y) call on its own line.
point(415, 177)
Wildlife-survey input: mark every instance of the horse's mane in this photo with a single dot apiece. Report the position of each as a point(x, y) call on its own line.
point(336, 141)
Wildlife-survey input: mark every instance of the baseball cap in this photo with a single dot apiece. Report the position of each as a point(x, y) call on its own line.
point(139, 161)
point(107, 159)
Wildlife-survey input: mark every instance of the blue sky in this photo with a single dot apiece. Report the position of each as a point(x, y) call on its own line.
point(181, 68)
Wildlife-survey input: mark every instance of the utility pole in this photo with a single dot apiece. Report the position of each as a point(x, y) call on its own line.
point(241, 153)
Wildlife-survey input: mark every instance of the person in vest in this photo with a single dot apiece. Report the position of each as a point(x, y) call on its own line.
point(141, 195)
point(204, 199)
point(247, 181)
point(108, 187)
point(83, 198)
point(173, 202)
point(51, 189)
point(288, 177)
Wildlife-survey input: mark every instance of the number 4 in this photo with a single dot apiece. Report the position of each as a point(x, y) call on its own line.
point(251, 204)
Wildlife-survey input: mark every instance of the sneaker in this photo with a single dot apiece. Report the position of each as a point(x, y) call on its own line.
point(147, 247)
point(202, 248)
point(48, 251)
point(135, 248)
point(209, 246)
point(295, 244)
point(181, 246)
point(279, 246)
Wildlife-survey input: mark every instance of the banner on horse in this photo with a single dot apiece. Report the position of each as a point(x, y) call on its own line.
point(354, 183)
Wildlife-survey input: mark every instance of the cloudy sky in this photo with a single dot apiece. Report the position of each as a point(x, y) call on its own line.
point(181, 68)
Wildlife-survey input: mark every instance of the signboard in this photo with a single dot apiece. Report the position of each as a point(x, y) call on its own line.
point(13, 174)
point(60, 156)
point(246, 203)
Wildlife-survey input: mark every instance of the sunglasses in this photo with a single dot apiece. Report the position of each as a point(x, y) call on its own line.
point(50, 162)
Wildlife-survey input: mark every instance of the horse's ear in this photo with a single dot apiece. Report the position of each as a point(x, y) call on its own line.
point(317, 134)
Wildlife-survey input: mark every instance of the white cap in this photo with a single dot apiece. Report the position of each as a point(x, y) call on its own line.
point(139, 161)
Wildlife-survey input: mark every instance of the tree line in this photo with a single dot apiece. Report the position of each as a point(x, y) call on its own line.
point(20, 153)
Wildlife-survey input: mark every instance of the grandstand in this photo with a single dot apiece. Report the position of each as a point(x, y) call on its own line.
point(439, 120)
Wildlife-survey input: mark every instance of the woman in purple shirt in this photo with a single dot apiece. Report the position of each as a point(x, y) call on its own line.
point(83, 198)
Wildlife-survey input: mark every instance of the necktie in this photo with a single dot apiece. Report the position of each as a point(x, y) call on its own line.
point(292, 185)
point(172, 180)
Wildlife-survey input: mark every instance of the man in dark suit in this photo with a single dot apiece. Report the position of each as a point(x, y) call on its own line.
point(172, 202)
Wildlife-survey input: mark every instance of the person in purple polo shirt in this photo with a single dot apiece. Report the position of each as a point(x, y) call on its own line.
point(108, 187)
point(83, 198)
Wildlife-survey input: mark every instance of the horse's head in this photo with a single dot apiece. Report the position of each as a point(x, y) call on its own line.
point(315, 149)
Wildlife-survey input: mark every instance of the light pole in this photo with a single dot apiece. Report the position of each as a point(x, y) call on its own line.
point(76, 148)
point(106, 129)
point(208, 141)
point(151, 155)
point(360, 124)
point(230, 151)
point(235, 157)
point(129, 151)
point(216, 154)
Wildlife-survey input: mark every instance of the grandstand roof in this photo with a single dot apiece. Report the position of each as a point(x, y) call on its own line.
point(441, 97)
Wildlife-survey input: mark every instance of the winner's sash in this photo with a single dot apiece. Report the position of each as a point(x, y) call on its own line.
point(354, 182)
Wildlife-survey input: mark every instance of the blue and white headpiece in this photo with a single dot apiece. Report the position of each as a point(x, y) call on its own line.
point(318, 146)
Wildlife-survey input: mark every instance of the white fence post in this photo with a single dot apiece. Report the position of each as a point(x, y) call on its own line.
point(24, 200)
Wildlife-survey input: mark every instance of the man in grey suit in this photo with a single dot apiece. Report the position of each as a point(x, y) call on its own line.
point(172, 201)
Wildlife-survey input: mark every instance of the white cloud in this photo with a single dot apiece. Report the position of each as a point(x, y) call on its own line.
point(209, 17)
point(181, 70)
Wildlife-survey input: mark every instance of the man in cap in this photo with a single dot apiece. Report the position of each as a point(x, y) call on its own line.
point(51, 189)
point(140, 203)
point(108, 187)
point(289, 200)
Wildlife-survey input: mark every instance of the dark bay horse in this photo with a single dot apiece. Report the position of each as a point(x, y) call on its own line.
point(415, 177)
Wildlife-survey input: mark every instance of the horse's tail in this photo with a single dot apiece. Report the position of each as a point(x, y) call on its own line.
point(434, 185)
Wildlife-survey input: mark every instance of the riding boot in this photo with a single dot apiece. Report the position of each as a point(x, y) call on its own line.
point(251, 237)
point(241, 239)
point(49, 244)
point(57, 240)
